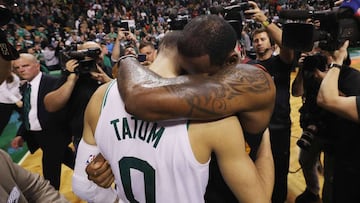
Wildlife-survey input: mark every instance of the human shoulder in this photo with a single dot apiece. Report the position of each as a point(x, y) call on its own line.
point(97, 97)
point(242, 69)
point(349, 81)
point(92, 113)
point(255, 76)
point(216, 136)
point(216, 129)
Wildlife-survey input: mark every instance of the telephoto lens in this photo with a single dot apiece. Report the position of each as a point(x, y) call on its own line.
point(307, 137)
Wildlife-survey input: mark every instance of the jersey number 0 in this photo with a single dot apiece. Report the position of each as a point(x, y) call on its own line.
point(127, 163)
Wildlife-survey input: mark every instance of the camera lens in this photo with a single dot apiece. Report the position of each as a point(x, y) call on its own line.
point(305, 140)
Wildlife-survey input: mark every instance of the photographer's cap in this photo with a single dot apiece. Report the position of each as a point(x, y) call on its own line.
point(7, 51)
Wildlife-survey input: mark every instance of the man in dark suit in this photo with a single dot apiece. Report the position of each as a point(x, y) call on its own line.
point(41, 129)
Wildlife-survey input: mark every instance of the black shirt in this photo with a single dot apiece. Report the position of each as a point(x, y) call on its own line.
point(75, 108)
point(280, 72)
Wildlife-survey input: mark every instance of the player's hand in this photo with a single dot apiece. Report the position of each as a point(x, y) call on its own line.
point(99, 172)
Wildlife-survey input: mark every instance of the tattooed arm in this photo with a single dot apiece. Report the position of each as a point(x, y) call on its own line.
point(242, 89)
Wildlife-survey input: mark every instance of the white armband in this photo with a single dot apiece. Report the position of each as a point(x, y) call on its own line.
point(81, 185)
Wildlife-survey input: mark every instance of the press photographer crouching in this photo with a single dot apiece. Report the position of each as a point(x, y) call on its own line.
point(339, 93)
point(82, 75)
point(317, 136)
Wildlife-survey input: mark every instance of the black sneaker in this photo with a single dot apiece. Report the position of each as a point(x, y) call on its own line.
point(307, 197)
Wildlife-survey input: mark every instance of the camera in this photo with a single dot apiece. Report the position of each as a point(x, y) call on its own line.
point(121, 24)
point(307, 137)
point(141, 57)
point(314, 120)
point(7, 51)
point(233, 14)
point(337, 25)
point(316, 61)
point(6, 15)
point(178, 22)
point(87, 59)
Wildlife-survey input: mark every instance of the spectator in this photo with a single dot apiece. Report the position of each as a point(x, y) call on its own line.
point(106, 59)
point(51, 57)
point(10, 98)
point(148, 48)
point(20, 47)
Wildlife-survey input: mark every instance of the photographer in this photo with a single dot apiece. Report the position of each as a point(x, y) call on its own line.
point(344, 79)
point(316, 137)
point(330, 98)
point(279, 67)
point(79, 81)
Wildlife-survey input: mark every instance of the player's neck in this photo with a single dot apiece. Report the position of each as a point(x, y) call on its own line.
point(165, 67)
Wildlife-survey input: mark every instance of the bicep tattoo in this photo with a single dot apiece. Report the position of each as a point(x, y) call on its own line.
point(220, 94)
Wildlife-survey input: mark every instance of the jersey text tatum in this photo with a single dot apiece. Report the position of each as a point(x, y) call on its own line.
point(143, 130)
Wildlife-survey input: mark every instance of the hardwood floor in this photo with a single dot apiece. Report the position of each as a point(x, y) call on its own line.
point(296, 181)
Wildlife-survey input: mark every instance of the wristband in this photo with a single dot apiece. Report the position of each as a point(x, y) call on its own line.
point(67, 72)
point(334, 65)
point(267, 22)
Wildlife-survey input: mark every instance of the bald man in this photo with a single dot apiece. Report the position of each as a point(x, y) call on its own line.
point(40, 128)
point(76, 86)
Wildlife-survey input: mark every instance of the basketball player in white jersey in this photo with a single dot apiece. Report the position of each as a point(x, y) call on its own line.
point(166, 161)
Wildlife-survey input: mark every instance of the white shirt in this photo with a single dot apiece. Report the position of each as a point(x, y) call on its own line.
point(33, 119)
point(10, 92)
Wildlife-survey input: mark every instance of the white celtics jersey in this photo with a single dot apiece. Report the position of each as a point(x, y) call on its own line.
point(151, 161)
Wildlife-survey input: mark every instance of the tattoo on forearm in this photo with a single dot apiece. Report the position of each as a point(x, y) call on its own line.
point(214, 98)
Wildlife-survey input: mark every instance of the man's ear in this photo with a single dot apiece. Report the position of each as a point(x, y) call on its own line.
point(232, 59)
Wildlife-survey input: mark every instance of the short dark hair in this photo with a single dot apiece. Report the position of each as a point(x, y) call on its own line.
point(169, 41)
point(261, 30)
point(145, 44)
point(208, 35)
point(258, 30)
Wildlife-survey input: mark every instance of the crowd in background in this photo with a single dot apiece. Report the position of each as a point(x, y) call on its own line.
point(45, 27)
